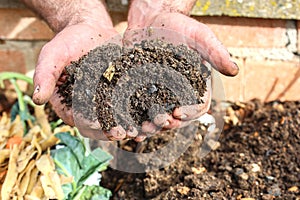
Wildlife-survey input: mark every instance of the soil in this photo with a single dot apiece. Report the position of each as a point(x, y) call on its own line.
point(257, 157)
point(127, 86)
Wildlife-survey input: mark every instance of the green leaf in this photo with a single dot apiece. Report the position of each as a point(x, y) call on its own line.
point(93, 193)
point(70, 160)
point(75, 145)
point(97, 160)
point(66, 164)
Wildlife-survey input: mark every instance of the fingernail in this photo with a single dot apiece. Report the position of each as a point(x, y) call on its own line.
point(167, 123)
point(37, 89)
point(140, 138)
point(184, 116)
point(236, 66)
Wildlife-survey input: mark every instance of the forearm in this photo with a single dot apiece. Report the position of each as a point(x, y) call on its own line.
point(142, 10)
point(61, 13)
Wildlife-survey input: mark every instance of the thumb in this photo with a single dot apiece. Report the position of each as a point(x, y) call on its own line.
point(52, 60)
point(68, 45)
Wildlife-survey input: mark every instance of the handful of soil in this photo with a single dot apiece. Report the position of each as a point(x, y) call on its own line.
point(127, 86)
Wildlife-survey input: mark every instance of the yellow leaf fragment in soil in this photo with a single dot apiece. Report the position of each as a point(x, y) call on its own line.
point(231, 117)
point(109, 72)
point(183, 190)
point(12, 174)
point(198, 170)
point(293, 189)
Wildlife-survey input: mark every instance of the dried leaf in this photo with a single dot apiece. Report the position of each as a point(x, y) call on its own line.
point(4, 154)
point(25, 156)
point(37, 191)
point(35, 143)
point(33, 179)
point(16, 128)
point(50, 179)
point(23, 183)
point(11, 175)
point(64, 128)
point(36, 130)
point(49, 142)
point(66, 179)
point(42, 119)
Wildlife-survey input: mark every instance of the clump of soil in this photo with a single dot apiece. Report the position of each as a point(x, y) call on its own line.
point(257, 157)
point(126, 86)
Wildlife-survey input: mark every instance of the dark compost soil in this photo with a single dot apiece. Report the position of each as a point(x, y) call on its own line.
point(257, 158)
point(126, 86)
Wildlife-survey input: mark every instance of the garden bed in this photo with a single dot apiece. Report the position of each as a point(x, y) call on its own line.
point(257, 158)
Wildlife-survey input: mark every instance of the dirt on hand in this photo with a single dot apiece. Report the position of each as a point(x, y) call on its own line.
point(127, 86)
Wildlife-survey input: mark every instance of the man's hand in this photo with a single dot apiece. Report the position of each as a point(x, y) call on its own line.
point(80, 26)
point(170, 15)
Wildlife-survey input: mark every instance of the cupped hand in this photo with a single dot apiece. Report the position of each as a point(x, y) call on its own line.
point(200, 38)
point(68, 45)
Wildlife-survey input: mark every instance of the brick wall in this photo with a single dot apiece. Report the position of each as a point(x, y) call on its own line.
point(267, 50)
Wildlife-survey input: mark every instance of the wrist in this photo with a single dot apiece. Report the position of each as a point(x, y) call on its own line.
point(60, 14)
point(142, 12)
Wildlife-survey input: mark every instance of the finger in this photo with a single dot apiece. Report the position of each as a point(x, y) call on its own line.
point(141, 137)
point(116, 133)
point(148, 127)
point(176, 123)
point(202, 39)
point(173, 123)
point(190, 112)
point(68, 45)
point(162, 120)
point(132, 132)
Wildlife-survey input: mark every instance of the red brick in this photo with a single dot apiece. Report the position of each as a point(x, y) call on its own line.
point(247, 32)
point(298, 41)
point(12, 60)
point(22, 24)
point(271, 80)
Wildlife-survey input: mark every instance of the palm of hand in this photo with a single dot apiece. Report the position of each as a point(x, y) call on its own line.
point(77, 40)
point(68, 45)
point(198, 37)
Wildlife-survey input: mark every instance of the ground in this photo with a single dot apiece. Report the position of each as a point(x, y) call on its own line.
point(256, 158)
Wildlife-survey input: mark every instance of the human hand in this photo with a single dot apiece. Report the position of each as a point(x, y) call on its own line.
point(80, 26)
point(203, 41)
